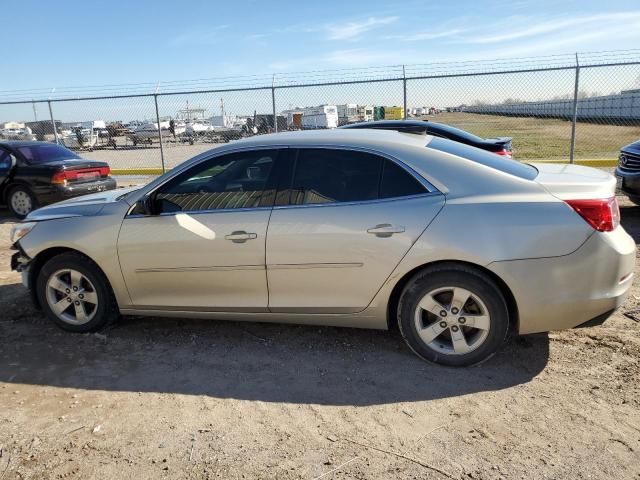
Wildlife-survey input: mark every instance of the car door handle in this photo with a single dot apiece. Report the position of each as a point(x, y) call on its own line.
point(384, 230)
point(240, 236)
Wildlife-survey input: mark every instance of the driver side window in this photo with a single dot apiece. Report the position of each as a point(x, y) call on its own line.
point(236, 180)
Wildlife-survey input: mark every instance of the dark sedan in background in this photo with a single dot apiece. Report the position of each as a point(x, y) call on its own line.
point(628, 171)
point(500, 145)
point(33, 174)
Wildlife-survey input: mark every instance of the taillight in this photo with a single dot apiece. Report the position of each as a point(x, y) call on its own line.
point(503, 152)
point(59, 178)
point(70, 175)
point(603, 214)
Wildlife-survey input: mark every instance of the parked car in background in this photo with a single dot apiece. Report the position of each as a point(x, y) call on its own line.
point(356, 228)
point(628, 171)
point(500, 145)
point(33, 174)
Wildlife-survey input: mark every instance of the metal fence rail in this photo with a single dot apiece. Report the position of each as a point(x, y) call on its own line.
point(557, 108)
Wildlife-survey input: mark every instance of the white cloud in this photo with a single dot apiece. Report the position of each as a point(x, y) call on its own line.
point(426, 35)
point(600, 22)
point(568, 42)
point(352, 30)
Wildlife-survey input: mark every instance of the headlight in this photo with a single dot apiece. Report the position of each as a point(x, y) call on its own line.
point(20, 230)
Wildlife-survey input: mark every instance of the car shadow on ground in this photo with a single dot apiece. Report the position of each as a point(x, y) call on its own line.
point(249, 361)
point(6, 217)
point(630, 220)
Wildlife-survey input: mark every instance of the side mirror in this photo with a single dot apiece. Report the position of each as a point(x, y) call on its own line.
point(146, 206)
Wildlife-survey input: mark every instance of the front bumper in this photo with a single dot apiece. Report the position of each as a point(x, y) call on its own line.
point(629, 184)
point(20, 263)
point(565, 292)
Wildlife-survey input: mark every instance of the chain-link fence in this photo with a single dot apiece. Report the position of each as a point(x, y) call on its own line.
point(559, 108)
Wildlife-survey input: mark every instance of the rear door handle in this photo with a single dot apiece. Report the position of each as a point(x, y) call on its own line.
point(384, 230)
point(240, 236)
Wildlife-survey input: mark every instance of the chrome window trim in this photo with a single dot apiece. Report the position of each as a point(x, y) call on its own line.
point(359, 202)
point(431, 189)
point(197, 212)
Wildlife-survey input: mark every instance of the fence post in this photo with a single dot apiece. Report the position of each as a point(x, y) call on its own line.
point(575, 112)
point(404, 92)
point(155, 99)
point(273, 103)
point(53, 122)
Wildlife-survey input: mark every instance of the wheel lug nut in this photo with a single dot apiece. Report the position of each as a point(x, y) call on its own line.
point(81, 296)
point(454, 328)
point(443, 324)
point(462, 320)
point(454, 310)
point(77, 302)
point(68, 299)
point(68, 291)
point(443, 313)
point(75, 289)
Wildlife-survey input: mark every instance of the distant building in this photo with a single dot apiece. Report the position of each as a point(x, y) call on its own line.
point(12, 126)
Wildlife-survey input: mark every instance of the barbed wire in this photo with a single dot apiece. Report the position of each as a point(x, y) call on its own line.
point(321, 77)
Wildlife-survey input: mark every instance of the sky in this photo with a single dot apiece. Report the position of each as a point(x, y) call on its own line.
point(53, 45)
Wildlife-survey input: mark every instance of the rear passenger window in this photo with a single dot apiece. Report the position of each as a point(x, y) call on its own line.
point(329, 176)
point(397, 182)
point(334, 176)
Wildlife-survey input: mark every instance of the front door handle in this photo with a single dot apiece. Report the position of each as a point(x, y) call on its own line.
point(240, 236)
point(384, 230)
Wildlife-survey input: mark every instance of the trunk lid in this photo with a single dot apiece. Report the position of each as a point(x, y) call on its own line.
point(575, 182)
point(79, 171)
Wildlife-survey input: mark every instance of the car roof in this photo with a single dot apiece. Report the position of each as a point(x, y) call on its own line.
point(363, 138)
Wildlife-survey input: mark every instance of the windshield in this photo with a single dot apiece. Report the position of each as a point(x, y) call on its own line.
point(46, 152)
point(506, 165)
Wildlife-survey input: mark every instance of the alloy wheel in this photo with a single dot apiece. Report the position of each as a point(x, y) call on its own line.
point(452, 320)
point(72, 297)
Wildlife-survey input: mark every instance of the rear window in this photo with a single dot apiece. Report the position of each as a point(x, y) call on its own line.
point(44, 153)
point(506, 165)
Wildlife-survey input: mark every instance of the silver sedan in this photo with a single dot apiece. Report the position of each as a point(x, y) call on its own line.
point(360, 228)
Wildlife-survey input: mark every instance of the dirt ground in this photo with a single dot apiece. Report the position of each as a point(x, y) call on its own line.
point(167, 398)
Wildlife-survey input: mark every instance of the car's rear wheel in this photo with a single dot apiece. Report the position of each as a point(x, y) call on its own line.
point(21, 201)
point(75, 294)
point(453, 315)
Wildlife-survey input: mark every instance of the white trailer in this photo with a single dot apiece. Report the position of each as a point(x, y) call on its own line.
point(324, 116)
point(347, 113)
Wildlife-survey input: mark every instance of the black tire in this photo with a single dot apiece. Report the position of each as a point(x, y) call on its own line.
point(21, 188)
point(468, 278)
point(107, 308)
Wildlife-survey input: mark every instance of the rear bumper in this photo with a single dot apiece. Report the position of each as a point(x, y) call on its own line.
point(57, 193)
point(578, 289)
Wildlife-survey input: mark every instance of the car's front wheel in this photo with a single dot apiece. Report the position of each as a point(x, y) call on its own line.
point(21, 201)
point(75, 294)
point(453, 315)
